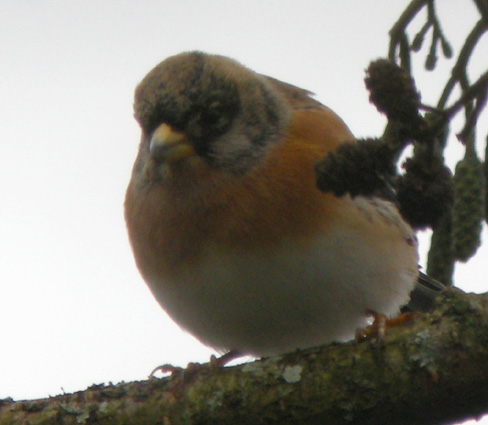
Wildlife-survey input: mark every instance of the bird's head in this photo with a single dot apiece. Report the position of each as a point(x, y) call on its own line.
point(211, 107)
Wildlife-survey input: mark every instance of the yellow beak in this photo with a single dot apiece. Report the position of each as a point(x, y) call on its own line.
point(169, 145)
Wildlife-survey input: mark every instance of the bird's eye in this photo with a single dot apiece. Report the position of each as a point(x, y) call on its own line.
point(213, 114)
point(213, 117)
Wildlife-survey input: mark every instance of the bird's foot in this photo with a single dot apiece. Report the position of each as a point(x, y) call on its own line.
point(380, 324)
point(166, 368)
point(192, 368)
point(224, 358)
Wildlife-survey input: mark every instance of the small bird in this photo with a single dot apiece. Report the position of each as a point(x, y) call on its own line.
point(228, 227)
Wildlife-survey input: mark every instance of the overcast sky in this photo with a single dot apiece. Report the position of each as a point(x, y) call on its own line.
point(73, 308)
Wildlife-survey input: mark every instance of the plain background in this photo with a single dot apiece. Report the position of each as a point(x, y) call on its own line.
point(73, 308)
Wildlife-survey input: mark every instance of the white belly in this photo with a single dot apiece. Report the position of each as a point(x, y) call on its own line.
point(291, 296)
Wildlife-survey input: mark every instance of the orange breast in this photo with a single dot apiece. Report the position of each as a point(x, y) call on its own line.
point(174, 222)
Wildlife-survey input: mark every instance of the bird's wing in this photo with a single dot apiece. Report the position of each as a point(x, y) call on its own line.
point(297, 97)
point(424, 293)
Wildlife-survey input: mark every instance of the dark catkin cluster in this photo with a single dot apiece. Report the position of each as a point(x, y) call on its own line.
point(393, 92)
point(425, 191)
point(363, 167)
point(469, 207)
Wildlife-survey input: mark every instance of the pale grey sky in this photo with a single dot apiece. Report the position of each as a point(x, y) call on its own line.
point(73, 307)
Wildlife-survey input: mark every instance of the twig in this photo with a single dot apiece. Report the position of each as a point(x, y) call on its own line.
point(398, 30)
point(474, 91)
point(471, 41)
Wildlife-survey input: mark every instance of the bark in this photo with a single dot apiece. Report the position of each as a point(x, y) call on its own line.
point(433, 370)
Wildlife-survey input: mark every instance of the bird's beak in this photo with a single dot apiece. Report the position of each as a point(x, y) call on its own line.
point(169, 145)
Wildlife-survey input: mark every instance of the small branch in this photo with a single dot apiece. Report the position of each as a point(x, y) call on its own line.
point(482, 6)
point(398, 30)
point(472, 114)
point(476, 90)
point(471, 41)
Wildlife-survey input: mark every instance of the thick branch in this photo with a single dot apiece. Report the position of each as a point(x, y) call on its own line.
point(432, 371)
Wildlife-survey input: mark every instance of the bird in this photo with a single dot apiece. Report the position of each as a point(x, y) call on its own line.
point(226, 223)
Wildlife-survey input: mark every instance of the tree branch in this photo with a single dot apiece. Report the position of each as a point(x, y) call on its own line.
point(432, 371)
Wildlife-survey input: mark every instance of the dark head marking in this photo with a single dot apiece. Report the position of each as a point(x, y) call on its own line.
point(228, 112)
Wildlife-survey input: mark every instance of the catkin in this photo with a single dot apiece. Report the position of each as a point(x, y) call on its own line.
point(469, 207)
